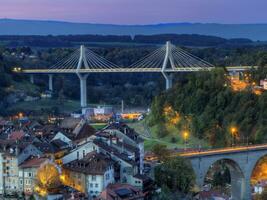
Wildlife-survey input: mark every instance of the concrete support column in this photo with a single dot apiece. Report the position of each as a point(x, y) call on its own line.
point(238, 183)
point(32, 78)
point(247, 193)
point(83, 89)
point(168, 80)
point(50, 82)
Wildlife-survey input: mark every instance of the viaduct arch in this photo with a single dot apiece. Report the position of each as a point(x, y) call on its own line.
point(241, 161)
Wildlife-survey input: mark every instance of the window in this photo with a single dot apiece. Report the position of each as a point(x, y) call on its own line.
point(91, 185)
point(93, 178)
point(77, 154)
point(30, 174)
point(21, 182)
point(96, 185)
point(83, 153)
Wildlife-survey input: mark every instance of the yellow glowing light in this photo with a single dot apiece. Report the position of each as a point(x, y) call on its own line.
point(62, 178)
point(233, 130)
point(47, 177)
point(20, 115)
point(185, 135)
point(172, 116)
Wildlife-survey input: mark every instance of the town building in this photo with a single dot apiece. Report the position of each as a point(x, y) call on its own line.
point(91, 174)
point(120, 191)
point(27, 173)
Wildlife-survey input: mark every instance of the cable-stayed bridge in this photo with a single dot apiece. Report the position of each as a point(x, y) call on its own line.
point(167, 60)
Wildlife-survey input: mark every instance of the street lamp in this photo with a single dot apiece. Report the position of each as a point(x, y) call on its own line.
point(233, 131)
point(185, 137)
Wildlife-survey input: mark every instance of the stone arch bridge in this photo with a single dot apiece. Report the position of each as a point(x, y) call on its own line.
point(240, 161)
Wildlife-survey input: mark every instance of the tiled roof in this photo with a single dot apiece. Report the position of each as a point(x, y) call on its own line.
point(114, 151)
point(93, 163)
point(69, 123)
point(126, 130)
point(33, 162)
point(119, 191)
point(58, 144)
point(44, 147)
point(16, 135)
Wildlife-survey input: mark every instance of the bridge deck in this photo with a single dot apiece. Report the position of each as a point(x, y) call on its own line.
point(126, 70)
point(114, 70)
point(222, 151)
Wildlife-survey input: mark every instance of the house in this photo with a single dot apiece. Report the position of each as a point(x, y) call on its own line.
point(80, 151)
point(27, 173)
point(47, 94)
point(61, 136)
point(90, 175)
point(126, 167)
point(120, 191)
point(16, 135)
point(76, 129)
point(263, 83)
point(128, 136)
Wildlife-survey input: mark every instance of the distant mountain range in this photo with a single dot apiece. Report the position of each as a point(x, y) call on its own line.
point(34, 27)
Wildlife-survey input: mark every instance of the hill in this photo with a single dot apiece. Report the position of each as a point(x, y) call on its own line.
point(205, 105)
point(35, 27)
point(192, 40)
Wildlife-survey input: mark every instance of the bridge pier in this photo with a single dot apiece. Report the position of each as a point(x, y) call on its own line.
point(83, 89)
point(32, 78)
point(168, 80)
point(50, 82)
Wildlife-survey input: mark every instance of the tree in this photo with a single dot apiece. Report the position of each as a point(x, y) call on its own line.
point(48, 178)
point(32, 197)
point(176, 174)
point(161, 151)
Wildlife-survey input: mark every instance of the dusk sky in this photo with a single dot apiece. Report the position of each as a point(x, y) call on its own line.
point(137, 11)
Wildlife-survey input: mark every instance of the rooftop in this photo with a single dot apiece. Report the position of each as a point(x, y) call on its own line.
point(120, 191)
point(33, 162)
point(93, 163)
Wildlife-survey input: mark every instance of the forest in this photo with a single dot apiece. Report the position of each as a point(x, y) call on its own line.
point(208, 108)
point(73, 40)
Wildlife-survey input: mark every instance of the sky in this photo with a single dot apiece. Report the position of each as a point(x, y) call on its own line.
point(137, 11)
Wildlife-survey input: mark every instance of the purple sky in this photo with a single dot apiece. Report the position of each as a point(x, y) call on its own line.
point(137, 11)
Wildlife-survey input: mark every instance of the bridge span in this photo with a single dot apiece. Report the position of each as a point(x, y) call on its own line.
point(167, 60)
point(241, 161)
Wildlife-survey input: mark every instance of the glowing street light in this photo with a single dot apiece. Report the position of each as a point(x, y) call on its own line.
point(185, 137)
point(234, 132)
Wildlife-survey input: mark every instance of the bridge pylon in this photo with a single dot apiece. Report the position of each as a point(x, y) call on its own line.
point(50, 82)
point(32, 79)
point(168, 59)
point(83, 77)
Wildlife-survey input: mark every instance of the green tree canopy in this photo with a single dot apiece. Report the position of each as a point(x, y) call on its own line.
point(175, 174)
